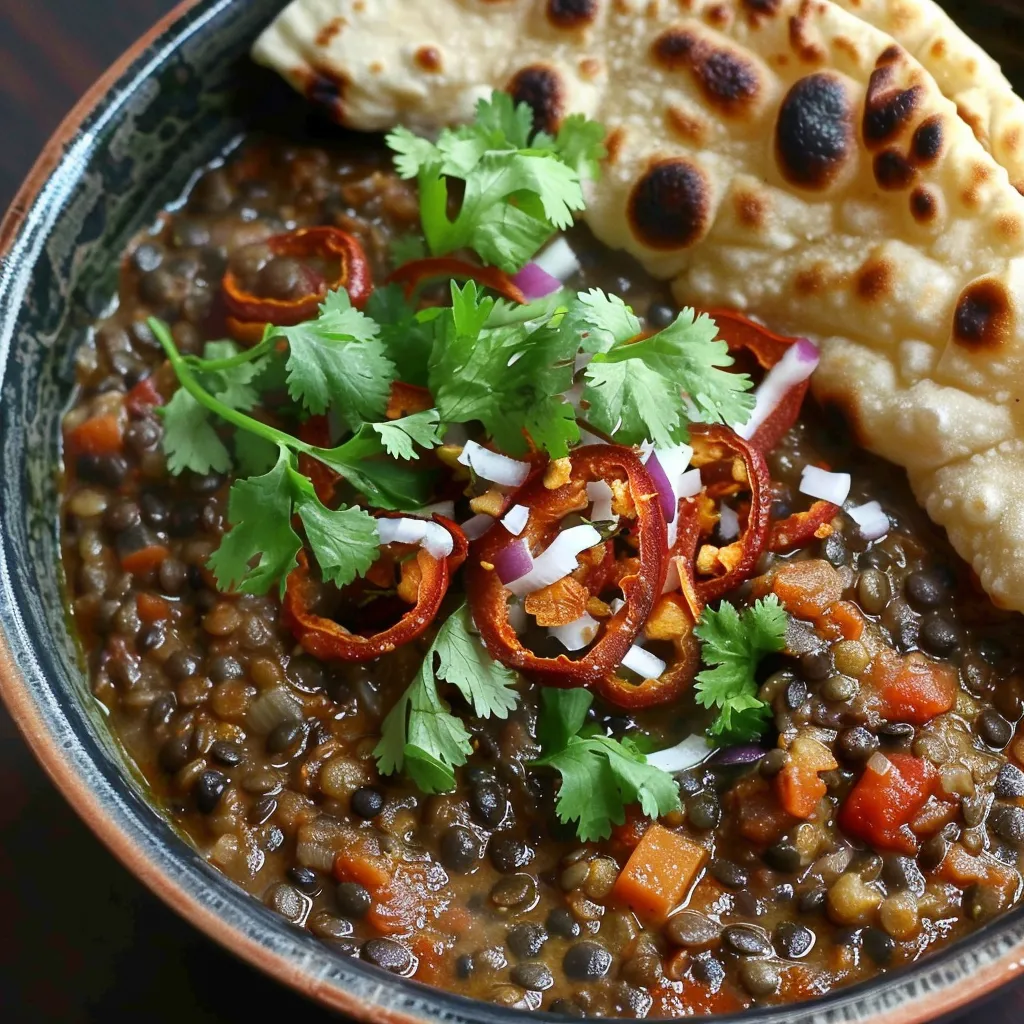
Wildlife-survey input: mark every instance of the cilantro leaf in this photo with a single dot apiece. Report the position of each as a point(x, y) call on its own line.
point(600, 775)
point(650, 389)
point(406, 339)
point(190, 440)
point(254, 455)
point(338, 361)
point(260, 513)
point(344, 540)
point(399, 436)
point(733, 643)
point(511, 378)
point(420, 735)
point(515, 194)
point(601, 320)
point(406, 249)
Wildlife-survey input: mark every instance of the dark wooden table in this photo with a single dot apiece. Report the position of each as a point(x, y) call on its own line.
point(82, 942)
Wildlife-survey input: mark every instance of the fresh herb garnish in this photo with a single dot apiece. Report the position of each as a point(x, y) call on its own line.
point(420, 735)
point(734, 642)
point(600, 776)
point(517, 190)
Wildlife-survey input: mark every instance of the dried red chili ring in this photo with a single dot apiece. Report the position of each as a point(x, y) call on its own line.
point(249, 314)
point(324, 638)
point(417, 272)
point(713, 443)
point(488, 597)
point(799, 529)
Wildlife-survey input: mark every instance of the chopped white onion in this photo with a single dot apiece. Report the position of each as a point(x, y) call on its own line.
point(476, 526)
point(690, 484)
point(673, 581)
point(517, 617)
point(586, 437)
point(879, 763)
point(643, 663)
point(826, 486)
point(558, 259)
point(691, 752)
point(871, 520)
point(616, 605)
point(728, 523)
point(574, 636)
point(494, 466)
point(515, 519)
point(600, 494)
point(793, 368)
point(438, 541)
point(433, 537)
point(557, 561)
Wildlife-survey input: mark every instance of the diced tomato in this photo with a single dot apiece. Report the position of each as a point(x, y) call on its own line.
point(659, 872)
point(407, 399)
point(632, 830)
point(152, 607)
point(807, 589)
point(964, 869)
point(369, 871)
point(692, 999)
point(882, 804)
point(101, 435)
point(145, 559)
point(761, 817)
point(143, 397)
point(912, 689)
point(799, 785)
point(843, 619)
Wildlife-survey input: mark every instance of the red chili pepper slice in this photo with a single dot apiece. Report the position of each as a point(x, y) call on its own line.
point(249, 314)
point(317, 431)
point(413, 274)
point(799, 529)
point(325, 638)
point(714, 443)
point(489, 599)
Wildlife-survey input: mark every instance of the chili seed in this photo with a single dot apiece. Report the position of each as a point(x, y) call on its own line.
point(759, 977)
point(587, 961)
point(993, 729)
point(793, 940)
point(526, 940)
point(367, 802)
point(209, 789)
point(387, 954)
point(746, 941)
point(536, 977)
point(353, 899)
point(560, 921)
point(692, 930)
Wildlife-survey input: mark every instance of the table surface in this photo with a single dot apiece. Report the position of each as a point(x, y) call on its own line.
point(82, 940)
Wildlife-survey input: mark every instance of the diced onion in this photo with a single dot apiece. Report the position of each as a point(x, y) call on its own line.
point(517, 617)
point(662, 484)
point(515, 519)
point(793, 368)
point(558, 260)
point(476, 526)
point(691, 752)
point(574, 636)
point(438, 541)
point(820, 483)
point(439, 508)
point(600, 494)
point(513, 562)
point(871, 520)
point(616, 605)
point(728, 523)
point(643, 663)
point(535, 282)
point(879, 763)
point(433, 537)
point(493, 466)
point(690, 484)
point(557, 561)
point(318, 842)
point(272, 708)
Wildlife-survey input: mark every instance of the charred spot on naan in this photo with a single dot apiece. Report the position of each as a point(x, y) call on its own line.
point(687, 127)
point(924, 205)
point(670, 206)
point(428, 58)
point(926, 145)
point(323, 87)
point(759, 9)
point(804, 43)
point(540, 87)
point(893, 170)
point(985, 315)
point(730, 81)
point(814, 139)
point(888, 108)
point(875, 279)
point(571, 14)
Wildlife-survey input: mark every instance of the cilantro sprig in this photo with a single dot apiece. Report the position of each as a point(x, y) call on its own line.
point(518, 187)
point(420, 735)
point(601, 776)
point(734, 642)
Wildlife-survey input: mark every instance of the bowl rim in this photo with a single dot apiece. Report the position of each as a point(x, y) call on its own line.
point(114, 829)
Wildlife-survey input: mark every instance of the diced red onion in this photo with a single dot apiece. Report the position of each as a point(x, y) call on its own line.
point(687, 754)
point(574, 636)
point(557, 561)
point(600, 495)
point(535, 282)
point(728, 523)
point(747, 753)
point(433, 537)
point(672, 463)
point(515, 519)
point(643, 663)
point(871, 520)
point(820, 483)
point(513, 562)
point(799, 362)
point(662, 484)
point(493, 466)
point(558, 259)
point(476, 526)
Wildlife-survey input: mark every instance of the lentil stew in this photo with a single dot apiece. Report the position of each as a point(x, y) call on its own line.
point(880, 815)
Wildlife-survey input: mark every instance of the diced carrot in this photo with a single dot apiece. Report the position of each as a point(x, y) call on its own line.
point(152, 607)
point(101, 435)
point(406, 399)
point(762, 819)
point(145, 559)
point(844, 619)
point(799, 785)
point(911, 689)
point(659, 872)
point(143, 397)
point(886, 798)
point(807, 589)
point(430, 959)
point(692, 999)
point(369, 871)
point(559, 603)
point(964, 869)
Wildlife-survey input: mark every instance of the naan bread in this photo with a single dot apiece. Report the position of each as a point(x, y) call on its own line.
point(781, 157)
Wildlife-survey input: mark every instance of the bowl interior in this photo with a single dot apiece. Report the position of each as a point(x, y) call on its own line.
point(180, 103)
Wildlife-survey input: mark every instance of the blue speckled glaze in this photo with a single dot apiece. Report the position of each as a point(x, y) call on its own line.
point(178, 105)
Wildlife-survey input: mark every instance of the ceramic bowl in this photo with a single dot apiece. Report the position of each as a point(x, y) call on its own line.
point(171, 103)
